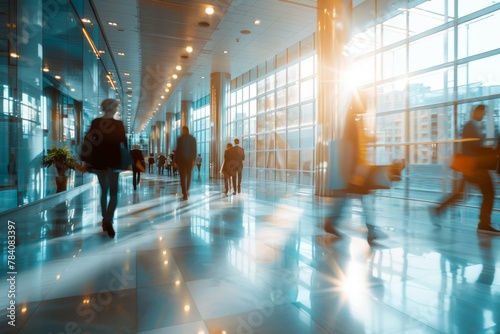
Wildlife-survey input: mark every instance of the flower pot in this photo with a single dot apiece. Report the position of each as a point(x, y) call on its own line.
point(61, 183)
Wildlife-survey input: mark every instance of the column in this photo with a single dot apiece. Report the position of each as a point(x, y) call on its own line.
point(186, 107)
point(219, 101)
point(333, 32)
point(168, 132)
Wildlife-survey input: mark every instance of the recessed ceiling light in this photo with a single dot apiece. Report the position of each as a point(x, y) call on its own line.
point(72, 89)
point(189, 49)
point(102, 51)
point(174, 76)
point(57, 77)
point(14, 55)
point(225, 52)
point(203, 77)
point(178, 67)
point(163, 96)
point(167, 90)
point(126, 74)
point(256, 22)
point(209, 10)
point(169, 84)
point(114, 24)
point(129, 82)
point(245, 32)
point(85, 20)
point(121, 53)
point(46, 69)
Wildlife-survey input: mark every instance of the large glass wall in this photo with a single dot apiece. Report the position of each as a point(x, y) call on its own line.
point(273, 112)
point(52, 80)
point(200, 121)
point(427, 66)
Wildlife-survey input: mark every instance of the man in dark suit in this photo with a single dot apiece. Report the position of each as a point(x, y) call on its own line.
point(486, 159)
point(137, 157)
point(185, 157)
point(238, 155)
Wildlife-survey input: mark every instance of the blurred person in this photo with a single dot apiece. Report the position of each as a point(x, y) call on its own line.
point(239, 157)
point(137, 157)
point(198, 163)
point(161, 163)
point(185, 159)
point(228, 169)
point(486, 159)
point(102, 156)
point(151, 162)
point(354, 151)
point(169, 164)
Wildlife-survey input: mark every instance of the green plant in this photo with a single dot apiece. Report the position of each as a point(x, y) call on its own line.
point(61, 158)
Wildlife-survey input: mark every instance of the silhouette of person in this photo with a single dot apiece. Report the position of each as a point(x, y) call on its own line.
point(101, 154)
point(238, 156)
point(151, 162)
point(198, 163)
point(137, 157)
point(480, 177)
point(228, 169)
point(354, 141)
point(185, 156)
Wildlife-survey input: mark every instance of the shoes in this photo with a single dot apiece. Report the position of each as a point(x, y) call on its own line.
point(239, 189)
point(328, 227)
point(487, 229)
point(184, 198)
point(435, 214)
point(108, 227)
point(234, 192)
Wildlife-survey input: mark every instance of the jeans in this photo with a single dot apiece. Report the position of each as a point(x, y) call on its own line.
point(136, 178)
point(108, 180)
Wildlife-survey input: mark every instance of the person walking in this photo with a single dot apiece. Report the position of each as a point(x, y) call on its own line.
point(228, 169)
point(151, 162)
point(185, 159)
point(161, 164)
point(238, 156)
point(198, 163)
point(169, 164)
point(102, 156)
point(486, 159)
point(354, 155)
point(137, 160)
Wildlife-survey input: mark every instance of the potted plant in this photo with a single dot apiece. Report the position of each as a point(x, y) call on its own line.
point(63, 160)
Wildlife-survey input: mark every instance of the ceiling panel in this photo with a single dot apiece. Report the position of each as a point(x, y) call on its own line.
point(154, 33)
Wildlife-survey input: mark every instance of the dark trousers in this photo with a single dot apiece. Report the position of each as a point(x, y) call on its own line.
point(339, 205)
point(483, 180)
point(161, 168)
point(151, 167)
point(238, 174)
point(108, 180)
point(185, 170)
point(227, 178)
point(136, 178)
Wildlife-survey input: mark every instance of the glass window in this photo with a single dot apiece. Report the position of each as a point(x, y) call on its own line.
point(292, 139)
point(306, 67)
point(467, 7)
point(253, 90)
point(426, 16)
point(261, 86)
point(479, 77)
point(293, 73)
point(293, 94)
point(307, 114)
point(293, 117)
point(394, 29)
point(306, 90)
point(253, 107)
point(270, 83)
point(270, 121)
point(431, 87)
point(419, 51)
point(261, 123)
point(281, 78)
point(245, 93)
point(306, 138)
point(252, 123)
point(393, 62)
point(292, 159)
point(261, 104)
point(270, 101)
point(281, 119)
point(281, 98)
point(472, 36)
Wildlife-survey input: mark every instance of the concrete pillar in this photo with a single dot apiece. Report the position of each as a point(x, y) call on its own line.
point(219, 101)
point(333, 32)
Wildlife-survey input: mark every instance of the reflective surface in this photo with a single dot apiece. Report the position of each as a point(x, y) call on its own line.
point(256, 262)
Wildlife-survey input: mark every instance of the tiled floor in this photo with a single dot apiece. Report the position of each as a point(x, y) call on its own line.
point(256, 262)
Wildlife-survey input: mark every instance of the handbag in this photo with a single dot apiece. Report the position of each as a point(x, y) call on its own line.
point(139, 166)
point(468, 164)
point(125, 158)
point(370, 177)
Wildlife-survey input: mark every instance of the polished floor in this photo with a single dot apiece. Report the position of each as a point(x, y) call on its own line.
point(255, 262)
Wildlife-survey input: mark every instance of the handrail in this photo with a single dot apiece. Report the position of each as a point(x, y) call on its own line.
point(427, 142)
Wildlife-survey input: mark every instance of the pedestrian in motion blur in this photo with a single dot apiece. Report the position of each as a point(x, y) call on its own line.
point(198, 163)
point(353, 160)
point(185, 159)
point(137, 161)
point(486, 159)
point(228, 169)
point(102, 156)
point(238, 156)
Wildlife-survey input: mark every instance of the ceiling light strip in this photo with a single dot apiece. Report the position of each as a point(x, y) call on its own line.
point(92, 45)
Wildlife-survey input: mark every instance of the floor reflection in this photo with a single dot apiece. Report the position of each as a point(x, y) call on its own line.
point(256, 262)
